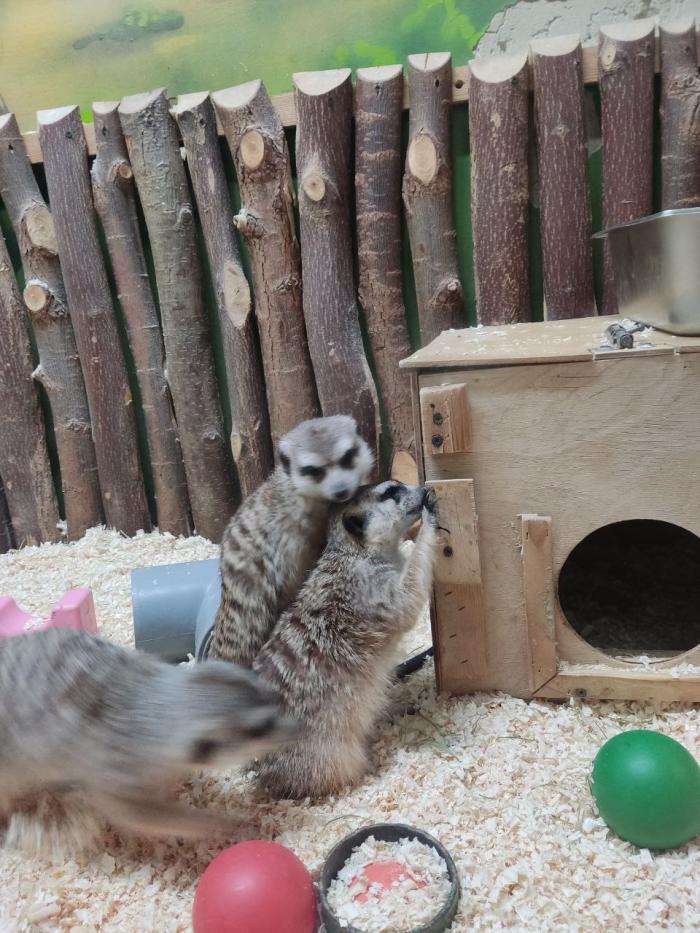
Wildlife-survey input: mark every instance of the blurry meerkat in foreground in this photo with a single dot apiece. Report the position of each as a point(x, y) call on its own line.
point(279, 532)
point(332, 654)
point(77, 712)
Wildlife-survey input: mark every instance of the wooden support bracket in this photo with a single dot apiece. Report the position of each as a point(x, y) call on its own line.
point(538, 588)
point(445, 419)
point(459, 630)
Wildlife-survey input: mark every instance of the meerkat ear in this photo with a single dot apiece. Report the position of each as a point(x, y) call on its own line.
point(354, 525)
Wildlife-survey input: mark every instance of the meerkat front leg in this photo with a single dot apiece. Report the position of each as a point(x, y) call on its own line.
point(417, 575)
point(162, 817)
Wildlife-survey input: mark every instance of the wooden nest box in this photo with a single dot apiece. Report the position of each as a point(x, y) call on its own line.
point(563, 467)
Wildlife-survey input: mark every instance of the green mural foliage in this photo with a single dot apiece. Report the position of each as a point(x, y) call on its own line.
point(58, 52)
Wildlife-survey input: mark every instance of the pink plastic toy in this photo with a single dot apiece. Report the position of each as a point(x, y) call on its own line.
point(75, 609)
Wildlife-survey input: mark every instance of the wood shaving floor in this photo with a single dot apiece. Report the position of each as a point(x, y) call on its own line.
point(501, 782)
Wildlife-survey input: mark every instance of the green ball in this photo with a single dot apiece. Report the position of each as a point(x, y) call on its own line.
point(647, 787)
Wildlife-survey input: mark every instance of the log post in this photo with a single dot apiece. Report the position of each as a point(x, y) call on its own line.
point(258, 146)
point(567, 253)
point(498, 136)
point(680, 115)
point(250, 435)
point(324, 148)
point(115, 201)
point(427, 195)
point(378, 112)
point(626, 77)
point(24, 457)
point(109, 396)
point(7, 541)
point(59, 370)
point(154, 152)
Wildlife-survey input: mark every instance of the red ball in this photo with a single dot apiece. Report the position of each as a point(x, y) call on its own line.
point(255, 887)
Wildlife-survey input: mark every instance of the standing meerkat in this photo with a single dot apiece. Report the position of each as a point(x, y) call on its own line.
point(77, 712)
point(279, 532)
point(332, 654)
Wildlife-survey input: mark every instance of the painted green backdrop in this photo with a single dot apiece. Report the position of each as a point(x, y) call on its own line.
point(57, 52)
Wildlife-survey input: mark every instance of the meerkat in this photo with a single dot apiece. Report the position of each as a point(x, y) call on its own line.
point(332, 654)
point(279, 532)
point(77, 712)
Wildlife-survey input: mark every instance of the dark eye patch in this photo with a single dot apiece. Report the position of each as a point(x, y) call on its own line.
point(354, 525)
point(284, 460)
point(203, 750)
point(391, 493)
point(314, 472)
point(347, 461)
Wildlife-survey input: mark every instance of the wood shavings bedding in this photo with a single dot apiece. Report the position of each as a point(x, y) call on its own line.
point(502, 783)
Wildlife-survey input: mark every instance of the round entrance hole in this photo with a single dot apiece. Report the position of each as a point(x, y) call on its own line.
point(633, 588)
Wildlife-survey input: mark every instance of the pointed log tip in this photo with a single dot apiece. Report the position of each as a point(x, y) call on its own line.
point(677, 27)
point(551, 46)
point(429, 61)
point(190, 101)
point(498, 68)
point(56, 114)
point(629, 30)
point(233, 98)
point(136, 102)
point(380, 74)
point(315, 83)
point(104, 108)
point(5, 120)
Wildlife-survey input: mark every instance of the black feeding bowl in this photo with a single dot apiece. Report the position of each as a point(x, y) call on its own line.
point(386, 832)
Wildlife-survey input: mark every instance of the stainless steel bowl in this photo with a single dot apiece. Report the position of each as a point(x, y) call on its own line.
point(656, 264)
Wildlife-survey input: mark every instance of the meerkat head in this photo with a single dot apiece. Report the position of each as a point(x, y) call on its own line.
point(326, 458)
point(225, 716)
point(378, 516)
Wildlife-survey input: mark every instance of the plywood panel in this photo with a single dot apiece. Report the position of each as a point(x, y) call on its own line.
point(538, 591)
point(586, 443)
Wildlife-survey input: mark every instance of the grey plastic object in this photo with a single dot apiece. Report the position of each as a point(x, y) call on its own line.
point(386, 832)
point(174, 608)
point(656, 270)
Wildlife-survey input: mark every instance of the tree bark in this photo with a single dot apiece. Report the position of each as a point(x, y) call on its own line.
point(626, 77)
point(680, 116)
point(565, 206)
point(378, 112)
point(154, 151)
point(256, 139)
point(24, 457)
point(427, 195)
point(324, 147)
point(115, 201)
point(250, 434)
point(498, 136)
point(104, 369)
point(59, 370)
point(7, 541)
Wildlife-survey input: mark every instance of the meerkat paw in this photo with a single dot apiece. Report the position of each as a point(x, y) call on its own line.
point(430, 508)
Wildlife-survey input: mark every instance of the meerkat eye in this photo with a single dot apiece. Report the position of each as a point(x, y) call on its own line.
point(314, 472)
point(347, 461)
point(354, 525)
point(391, 493)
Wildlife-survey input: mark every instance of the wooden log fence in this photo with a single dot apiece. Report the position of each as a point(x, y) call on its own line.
point(292, 342)
point(154, 153)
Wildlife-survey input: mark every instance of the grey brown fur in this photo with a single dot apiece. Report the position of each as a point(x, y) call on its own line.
point(332, 654)
point(126, 728)
point(279, 532)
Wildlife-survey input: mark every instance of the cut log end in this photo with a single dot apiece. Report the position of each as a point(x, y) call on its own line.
point(313, 186)
point(422, 158)
point(555, 45)
point(5, 119)
point(252, 149)
point(104, 108)
point(429, 61)
point(190, 101)
point(379, 75)
point(630, 31)
point(58, 115)
point(315, 83)
point(39, 226)
point(678, 27)
point(233, 98)
point(499, 68)
point(36, 297)
point(138, 102)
